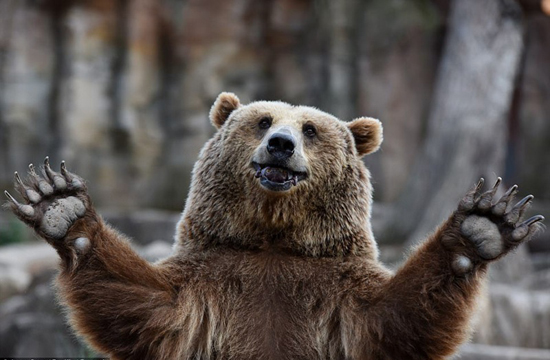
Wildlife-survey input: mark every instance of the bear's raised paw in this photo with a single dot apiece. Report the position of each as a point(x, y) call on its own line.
point(493, 228)
point(52, 203)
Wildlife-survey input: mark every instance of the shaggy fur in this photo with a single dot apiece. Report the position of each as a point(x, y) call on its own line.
point(260, 274)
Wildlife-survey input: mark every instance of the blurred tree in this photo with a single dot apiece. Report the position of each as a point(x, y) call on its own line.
point(121, 90)
point(467, 128)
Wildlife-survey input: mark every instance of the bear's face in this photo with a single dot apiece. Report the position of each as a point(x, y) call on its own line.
point(281, 175)
point(285, 147)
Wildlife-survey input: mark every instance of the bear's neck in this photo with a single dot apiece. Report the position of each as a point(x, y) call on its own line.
point(333, 224)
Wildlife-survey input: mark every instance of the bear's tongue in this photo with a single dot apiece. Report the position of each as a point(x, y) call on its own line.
point(274, 174)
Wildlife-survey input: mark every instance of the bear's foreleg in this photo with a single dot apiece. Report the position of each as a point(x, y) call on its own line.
point(424, 311)
point(118, 301)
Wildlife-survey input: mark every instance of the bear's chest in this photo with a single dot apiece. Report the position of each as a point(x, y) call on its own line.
point(272, 319)
point(271, 307)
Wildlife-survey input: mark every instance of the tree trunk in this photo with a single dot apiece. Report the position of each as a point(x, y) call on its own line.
point(467, 127)
point(89, 53)
point(26, 66)
point(342, 57)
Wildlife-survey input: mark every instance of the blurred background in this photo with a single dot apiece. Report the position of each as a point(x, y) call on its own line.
point(121, 90)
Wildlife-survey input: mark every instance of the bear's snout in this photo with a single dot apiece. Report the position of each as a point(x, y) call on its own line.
point(281, 145)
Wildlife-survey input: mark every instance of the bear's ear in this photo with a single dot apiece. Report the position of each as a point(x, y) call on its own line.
point(367, 133)
point(223, 107)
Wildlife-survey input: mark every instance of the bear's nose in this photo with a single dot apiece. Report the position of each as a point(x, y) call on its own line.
point(281, 145)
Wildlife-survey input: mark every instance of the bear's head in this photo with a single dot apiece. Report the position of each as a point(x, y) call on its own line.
point(282, 176)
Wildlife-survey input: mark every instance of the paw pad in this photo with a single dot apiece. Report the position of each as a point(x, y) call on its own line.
point(484, 234)
point(82, 245)
point(60, 215)
point(462, 264)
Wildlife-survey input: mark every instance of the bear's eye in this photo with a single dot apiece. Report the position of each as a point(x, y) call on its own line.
point(309, 130)
point(265, 122)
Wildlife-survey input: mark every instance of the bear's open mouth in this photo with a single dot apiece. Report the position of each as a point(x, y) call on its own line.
point(277, 177)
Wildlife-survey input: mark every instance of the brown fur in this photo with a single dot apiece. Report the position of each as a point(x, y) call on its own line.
point(222, 108)
point(264, 275)
point(367, 133)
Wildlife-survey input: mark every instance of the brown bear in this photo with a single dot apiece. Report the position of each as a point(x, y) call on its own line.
point(275, 257)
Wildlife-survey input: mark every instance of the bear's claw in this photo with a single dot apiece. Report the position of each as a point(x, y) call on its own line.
point(492, 227)
point(502, 204)
point(468, 201)
point(532, 220)
point(55, 178)
point(52, 203)
point(522, 230)
point(25, 210)
point(515, 214)
point(487, 197)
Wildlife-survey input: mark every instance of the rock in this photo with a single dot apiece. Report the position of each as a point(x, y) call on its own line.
point(12, 281)
point(487, 352)
point(516, 317)
point(31, 321)
point(19, 263)
point(33, 258)
point(33, 324)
